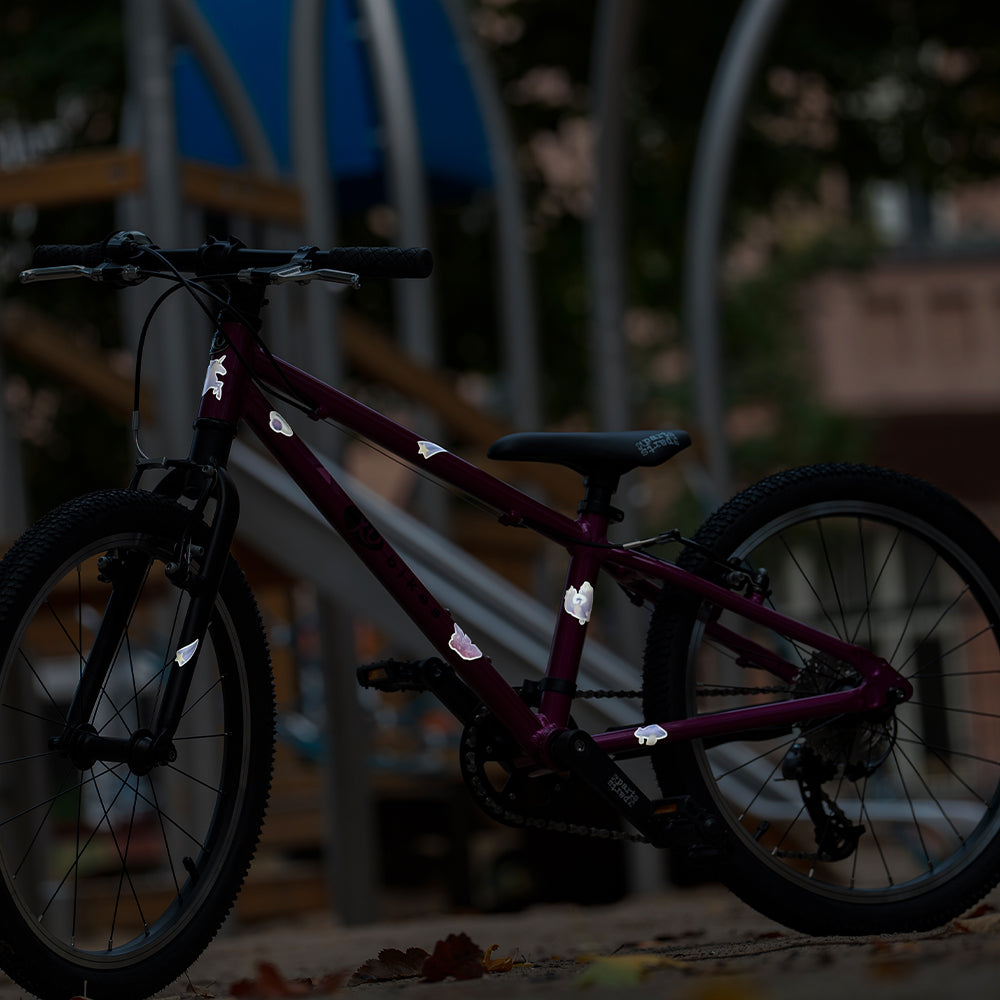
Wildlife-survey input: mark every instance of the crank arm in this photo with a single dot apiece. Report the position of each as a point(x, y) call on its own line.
point(659, 820)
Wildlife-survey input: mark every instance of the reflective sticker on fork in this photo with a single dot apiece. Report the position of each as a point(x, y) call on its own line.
point(185, 653)
point(278, 424)
point(580, 603)
point(428, 449)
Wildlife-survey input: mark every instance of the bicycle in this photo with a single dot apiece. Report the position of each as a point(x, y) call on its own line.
point(819, 685)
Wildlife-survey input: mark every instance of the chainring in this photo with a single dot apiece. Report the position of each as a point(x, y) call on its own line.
point(526, 797)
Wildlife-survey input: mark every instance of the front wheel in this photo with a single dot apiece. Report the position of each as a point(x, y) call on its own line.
point(114, 876)
point(870, 823)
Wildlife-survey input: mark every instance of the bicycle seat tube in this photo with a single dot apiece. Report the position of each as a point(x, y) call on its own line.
point(559, 684)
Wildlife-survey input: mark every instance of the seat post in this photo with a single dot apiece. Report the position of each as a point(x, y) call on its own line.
point(597, 500)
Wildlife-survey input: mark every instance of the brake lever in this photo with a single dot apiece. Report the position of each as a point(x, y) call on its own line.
point(115, 274)
point(297, 273)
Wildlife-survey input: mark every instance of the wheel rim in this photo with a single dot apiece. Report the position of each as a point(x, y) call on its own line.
point(922, 782)
point(105, 866)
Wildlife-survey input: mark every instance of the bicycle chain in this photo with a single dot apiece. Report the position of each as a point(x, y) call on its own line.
point(509, 817)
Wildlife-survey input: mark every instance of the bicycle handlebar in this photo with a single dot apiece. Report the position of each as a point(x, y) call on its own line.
point(215, 257)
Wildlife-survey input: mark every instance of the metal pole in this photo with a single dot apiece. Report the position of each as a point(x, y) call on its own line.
point(404, 168)
point(519, 327)
point(712, 170)
point(307, 115)
point(613, 38)
point(151, 85)
point(351, 832)
point(13, 506)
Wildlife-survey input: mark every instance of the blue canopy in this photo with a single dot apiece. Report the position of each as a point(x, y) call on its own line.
point(256, 35)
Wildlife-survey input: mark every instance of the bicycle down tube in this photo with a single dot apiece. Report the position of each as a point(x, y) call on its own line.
point(229, 398)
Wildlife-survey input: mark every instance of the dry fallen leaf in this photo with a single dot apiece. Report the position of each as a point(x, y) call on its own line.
point(893, 959)
point(725, 987)
point(197, 991)
point(390, 964)
point(490, 964)
point(455, 956)
point(978, 922)
point(270, 984)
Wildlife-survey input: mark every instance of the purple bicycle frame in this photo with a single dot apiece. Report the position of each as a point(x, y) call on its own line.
point(231, 394)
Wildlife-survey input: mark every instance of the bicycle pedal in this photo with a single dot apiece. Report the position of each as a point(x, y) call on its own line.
point(682, 821)
point(394, 675)
point(432, 675)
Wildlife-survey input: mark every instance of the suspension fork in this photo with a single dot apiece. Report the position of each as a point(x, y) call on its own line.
point(144, 749)
point(203, 588)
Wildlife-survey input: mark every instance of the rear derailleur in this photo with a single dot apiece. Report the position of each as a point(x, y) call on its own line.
point(836, 836)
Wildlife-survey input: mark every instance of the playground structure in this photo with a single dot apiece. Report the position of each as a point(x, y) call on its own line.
point(243, 117)
point(282, 122)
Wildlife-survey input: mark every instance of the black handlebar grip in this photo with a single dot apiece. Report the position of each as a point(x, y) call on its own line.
point(59, 254)
point(378, 262)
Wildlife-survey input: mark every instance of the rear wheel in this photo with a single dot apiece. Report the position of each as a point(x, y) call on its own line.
point(113, 880)
point(868, 823)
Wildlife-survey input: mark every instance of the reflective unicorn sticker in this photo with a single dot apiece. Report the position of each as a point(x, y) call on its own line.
point(213, 377)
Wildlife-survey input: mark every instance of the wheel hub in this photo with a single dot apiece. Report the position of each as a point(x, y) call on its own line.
point(84, 747)
point(855, 745)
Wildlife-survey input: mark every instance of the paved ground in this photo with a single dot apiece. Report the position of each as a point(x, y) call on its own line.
point(699, 945)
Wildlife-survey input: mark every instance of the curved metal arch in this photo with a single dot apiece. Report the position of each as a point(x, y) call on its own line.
point(712, 170)
point(250, 134)
point(519, 326)
point(403, 166)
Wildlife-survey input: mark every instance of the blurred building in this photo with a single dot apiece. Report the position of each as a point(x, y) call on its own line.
point(911, 345)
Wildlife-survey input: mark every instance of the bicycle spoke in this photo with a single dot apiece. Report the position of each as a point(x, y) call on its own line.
point(931, 630)
point(23, 656)
point(807, 580)
point(914, 604)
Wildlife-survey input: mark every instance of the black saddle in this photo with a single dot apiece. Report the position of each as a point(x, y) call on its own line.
point(597, 456)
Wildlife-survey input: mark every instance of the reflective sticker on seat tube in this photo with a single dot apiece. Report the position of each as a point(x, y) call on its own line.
point(185, 653)
point(580, 603)
point(213, 380)
point(649, 736)
point(463, 645)
point(428, 449)
point(278, 424)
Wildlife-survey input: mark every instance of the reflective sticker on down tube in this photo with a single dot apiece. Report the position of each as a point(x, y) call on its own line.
point(278, 424)
point(428, 449)
point(463, 645)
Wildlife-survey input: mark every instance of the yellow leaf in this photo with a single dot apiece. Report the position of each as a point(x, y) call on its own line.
point(622, 970)
point(490, 964)
point(725, 987)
